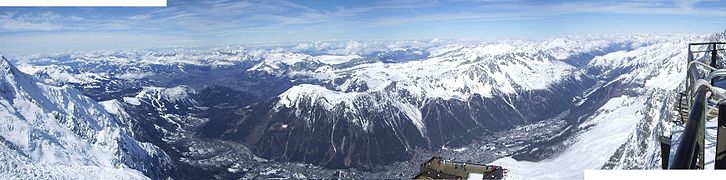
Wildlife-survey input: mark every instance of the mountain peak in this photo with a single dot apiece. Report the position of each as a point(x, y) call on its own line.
point(6, 66)
point(4, 63)
point(84, 134)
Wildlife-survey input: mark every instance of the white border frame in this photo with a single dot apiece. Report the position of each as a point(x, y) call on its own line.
point(82, 3)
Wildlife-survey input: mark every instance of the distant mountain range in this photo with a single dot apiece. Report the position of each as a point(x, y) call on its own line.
point(331, 109)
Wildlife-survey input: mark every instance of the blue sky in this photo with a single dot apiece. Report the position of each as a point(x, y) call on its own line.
point(214, 22)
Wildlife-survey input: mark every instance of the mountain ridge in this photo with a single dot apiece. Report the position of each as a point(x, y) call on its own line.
point(57, 128)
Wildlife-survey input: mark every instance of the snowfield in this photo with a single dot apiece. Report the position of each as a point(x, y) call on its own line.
point(602, 135)
point(57, 132)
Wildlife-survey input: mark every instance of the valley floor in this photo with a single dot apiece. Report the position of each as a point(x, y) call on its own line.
point(591, 149)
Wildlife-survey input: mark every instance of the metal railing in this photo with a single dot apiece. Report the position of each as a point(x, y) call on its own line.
point(713, 49)
point(690, 144)
point(690, 149)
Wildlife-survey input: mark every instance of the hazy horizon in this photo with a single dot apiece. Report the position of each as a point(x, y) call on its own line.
point(208, 23)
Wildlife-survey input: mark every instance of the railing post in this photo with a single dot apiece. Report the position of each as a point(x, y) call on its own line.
point(720, 161)
point(714, 55)
point(688, 69)
point(665, 151)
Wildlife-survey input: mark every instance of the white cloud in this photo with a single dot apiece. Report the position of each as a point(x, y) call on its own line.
point(654, 7)
point(47, 42)
point(508, 10)
point(51, 21)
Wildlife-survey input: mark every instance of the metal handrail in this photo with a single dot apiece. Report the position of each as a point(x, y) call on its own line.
point(693, 63)
point(705, 43)
point(713, 90)
point(715, 74)
point(688, 146)
point(693, 72)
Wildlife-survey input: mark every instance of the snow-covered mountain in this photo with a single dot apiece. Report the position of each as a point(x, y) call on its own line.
point(526, 105)
point(57, 132)
point(456, 93)
point(624, 132)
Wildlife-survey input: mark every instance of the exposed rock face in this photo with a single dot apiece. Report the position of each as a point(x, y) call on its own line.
point(335, 137)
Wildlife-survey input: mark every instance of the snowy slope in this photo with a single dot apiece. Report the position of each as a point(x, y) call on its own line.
point(460, 70)
point(660, 65)
point(454, 71)
point(623, 133)
point(610, 127)
point(52, 129)
point(173, 106)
